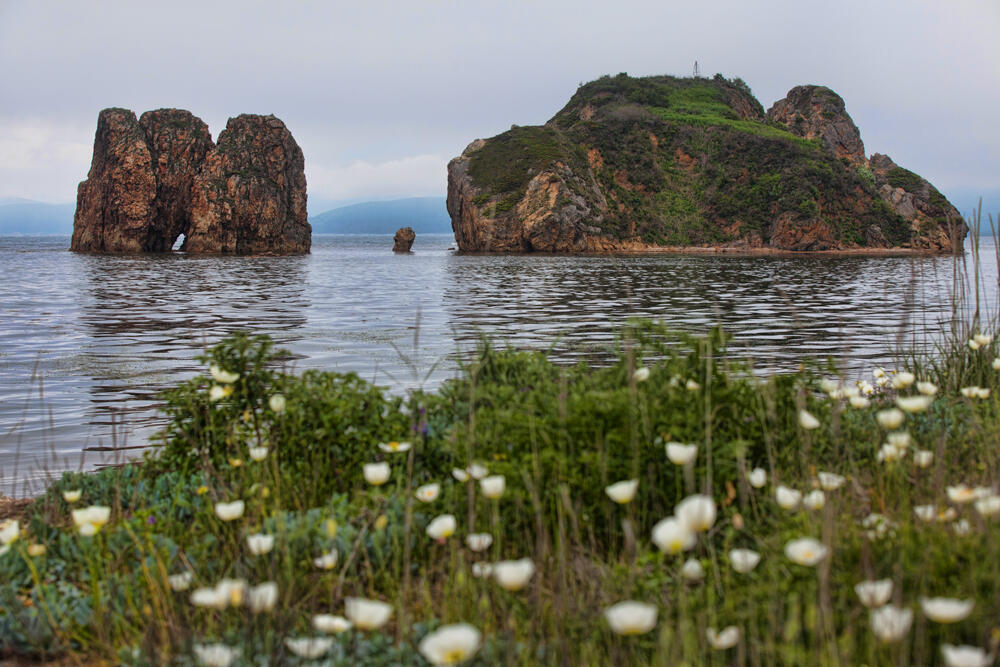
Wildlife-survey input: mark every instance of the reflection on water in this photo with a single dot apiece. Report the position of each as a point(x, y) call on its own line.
point(89, 341)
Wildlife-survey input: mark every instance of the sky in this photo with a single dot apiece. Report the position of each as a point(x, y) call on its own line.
point(380, 95)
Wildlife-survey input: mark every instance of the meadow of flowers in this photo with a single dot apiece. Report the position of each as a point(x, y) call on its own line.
point(671, 508)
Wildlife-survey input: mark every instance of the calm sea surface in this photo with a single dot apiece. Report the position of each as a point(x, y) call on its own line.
point(87, 342)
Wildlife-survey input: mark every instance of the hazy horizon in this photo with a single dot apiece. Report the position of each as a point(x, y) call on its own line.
point(381, 96)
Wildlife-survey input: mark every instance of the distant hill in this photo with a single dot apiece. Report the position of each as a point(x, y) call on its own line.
point(24, 216)
point(426, 215)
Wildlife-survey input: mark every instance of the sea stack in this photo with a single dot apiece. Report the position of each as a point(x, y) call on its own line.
point(403, 240)
point(157, 178)
point(666, 163)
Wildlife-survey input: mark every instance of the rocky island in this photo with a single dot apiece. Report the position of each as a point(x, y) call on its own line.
point(161, 176)
point(665, 163)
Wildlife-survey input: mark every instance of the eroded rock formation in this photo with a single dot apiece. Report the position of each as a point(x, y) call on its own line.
point(666, 163)
point(402, 241)
point(155, 179)
point(250, 195)
point(816, 112)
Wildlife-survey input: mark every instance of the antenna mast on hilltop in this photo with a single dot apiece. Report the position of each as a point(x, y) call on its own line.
point(697, 72)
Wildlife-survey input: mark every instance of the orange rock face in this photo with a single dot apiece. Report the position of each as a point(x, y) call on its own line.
point(250, 195)
point(157, 178)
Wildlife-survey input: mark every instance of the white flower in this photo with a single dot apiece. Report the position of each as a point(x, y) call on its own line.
point(225, 593)
point(878, 372)
point(493, 486)
point(946, 610)
point(926, 512)
point(982, 339)
point(814, 500)
point(481, 570)
point(882, 381)
point(806, 551)
point(10, 530)
point(460, 474)
point(913, 404)
point(478, 541)
point(680, 454)
point(376, 474)
point(230, 511)
point(180, 582)
point(865, 387)
point(831, 387)
point(988, 506)
point(693, 570)
point(673, 536)
point(309, 647)
point(903, 379)
point(259, 543)
point(891, 623)
point(71, 496)
point(961, 528)
point(788, 499)
point(331, 624)
point(899, 439)
point(276, 403)
point(859, 402)
point(829, 481)
point(258, 453)
point(631, 617)
point(878, 526)
point(757, 478)
point(217, 392)
point(394, 447)
point(923, 458)
point(890, 419)
point(450, 644)
point(890, 452)
point(442, 527)
point(727, 638)
point(513, 575)
point(965, 656)
point(262, 597)
point(996, 364)
point(641, 374)
point(428, 492)
point(622, 492)
point(807, 421)
point(691, 385)
point(367, 614)
point(216, 655)
point(974, 344)
point(327, 561)
point(476, 471)
point(927, 388)
point(874, 593)
point(222, 376)
point(743, 560)
point(975, 392)
point(697, 512)
point(961, 494)
point(90, 519)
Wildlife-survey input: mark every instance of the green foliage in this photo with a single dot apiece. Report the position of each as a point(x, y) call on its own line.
point(904, 178)
point(508, 161)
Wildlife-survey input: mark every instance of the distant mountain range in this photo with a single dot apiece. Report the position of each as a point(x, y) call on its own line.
point(25, 216)
point(426, 215)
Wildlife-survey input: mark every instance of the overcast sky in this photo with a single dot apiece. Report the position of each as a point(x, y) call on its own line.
point(380, 95)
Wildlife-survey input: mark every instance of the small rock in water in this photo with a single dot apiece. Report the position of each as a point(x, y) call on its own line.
point(403, 239)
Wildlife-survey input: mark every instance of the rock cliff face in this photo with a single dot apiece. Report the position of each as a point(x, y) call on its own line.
point(660, 162)
point(115, 206)
point(403, 239)
point(250, 196)
point(816, 112)
point(161, 177)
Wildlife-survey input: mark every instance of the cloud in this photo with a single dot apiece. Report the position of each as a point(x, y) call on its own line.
point(413, 176)
point(40, 160)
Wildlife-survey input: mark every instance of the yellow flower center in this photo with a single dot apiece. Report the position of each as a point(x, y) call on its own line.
point(454, 655)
